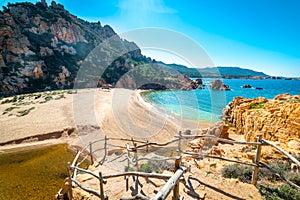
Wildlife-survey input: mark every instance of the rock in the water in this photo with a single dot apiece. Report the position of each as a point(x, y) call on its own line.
point(259, 88)
point(219, 85)
point(246, 86)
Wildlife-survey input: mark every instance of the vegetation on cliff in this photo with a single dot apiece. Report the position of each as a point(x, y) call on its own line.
point(44, 46)
point(216, 72)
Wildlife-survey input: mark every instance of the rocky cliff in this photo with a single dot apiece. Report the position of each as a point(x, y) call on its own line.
point(277, 120)
point(43, 47)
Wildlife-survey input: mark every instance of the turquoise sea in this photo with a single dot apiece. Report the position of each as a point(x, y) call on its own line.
point(207, 104)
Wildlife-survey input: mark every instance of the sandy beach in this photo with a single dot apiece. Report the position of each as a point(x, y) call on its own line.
point(84, 116)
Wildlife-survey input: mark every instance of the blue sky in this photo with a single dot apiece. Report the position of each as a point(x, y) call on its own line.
point(257, 34)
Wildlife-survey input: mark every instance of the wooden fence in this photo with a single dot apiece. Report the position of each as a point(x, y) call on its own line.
point(173, 181)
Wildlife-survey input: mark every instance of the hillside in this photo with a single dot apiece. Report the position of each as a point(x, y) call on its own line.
point(214, 72)
point(43, 47)
point(237, 71)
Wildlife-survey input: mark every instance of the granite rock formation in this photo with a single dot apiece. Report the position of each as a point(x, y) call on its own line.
point(277, 120)
point(44, 46)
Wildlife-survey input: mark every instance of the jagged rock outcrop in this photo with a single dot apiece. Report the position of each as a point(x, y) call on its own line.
point(219, 129)
point(277, 120)
point(197, 84)
point(36, 40)
point(219, 85)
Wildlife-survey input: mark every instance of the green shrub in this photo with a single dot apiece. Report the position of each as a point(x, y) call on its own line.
point(159, 166)
point(243, 173)
point(269, 193)
point(21, 97)
point(294, 177)
point(146, 168)
point(25, 112)
point(287, 192)
point(280, 167)
point(257, 106)
point(60, 97)
point(47, 98)
point(13, 100)
point(37, 96)
point(129, 169)
point(23, 103)
point(10, 109)
point(284, 192)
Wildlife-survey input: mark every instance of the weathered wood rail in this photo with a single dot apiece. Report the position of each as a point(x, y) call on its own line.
point(173, 181)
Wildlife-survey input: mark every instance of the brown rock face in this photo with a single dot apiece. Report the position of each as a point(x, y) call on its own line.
point(277, 120)
point(38, 71)
point(61, 79)
point(67, 32)
point(31, 34)
point(37, 39)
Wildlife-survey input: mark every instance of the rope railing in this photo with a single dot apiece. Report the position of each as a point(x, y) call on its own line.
point(130, 153)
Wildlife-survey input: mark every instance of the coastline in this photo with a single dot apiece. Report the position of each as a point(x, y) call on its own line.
point(56, 119)
point(191, 124)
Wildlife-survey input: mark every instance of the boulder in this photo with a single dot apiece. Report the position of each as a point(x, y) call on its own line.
point(246, 86)
point(199, 81)
point(219, 85)
point(197, 84)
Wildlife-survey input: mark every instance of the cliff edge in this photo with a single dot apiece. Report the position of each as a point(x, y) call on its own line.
point(277, 120)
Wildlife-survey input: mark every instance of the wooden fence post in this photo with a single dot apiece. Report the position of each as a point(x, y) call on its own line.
point(128, 154)
point(91, 153)
point(147, 147)
point(179, 142)
point(176, 188)
point(105, 146)
point(137, 185)
point(69, 170)
point(127, 183)
point(70, 173)
point(102, 197)
point(136, 158)
point(256, 160)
